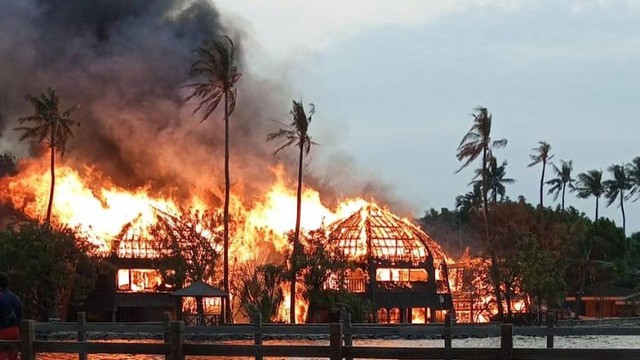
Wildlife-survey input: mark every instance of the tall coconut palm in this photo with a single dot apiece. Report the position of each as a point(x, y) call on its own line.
point(496, 179)
point(633, 169)
point(562, 180)
point(295, 133)
point(618, 187)
point(590, 184)
point(477, 143)
point(541, 156)
point(217, 75)
point(51, 126)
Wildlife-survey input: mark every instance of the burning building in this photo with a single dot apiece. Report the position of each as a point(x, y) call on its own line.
point(399, 267)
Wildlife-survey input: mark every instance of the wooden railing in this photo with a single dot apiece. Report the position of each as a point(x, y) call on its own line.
point(341, 335)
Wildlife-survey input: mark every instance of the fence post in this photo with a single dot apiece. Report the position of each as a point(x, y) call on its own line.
point(335, 341)
point(447, 332)
point(551, 321)
point(177, 340)
point(506, 341)
point(27, 338)
point(166, 335)
point(257, 332)
point(82, 333)
point(346, 328)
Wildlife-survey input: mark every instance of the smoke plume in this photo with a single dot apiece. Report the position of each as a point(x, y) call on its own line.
point(125, 63)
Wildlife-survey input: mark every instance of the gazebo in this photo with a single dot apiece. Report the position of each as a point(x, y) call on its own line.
point(201, 304)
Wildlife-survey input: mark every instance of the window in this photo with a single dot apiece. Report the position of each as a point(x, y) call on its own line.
point(394, 316)
point(396, 275)
point(382, 316)
point(140, 280)
point(418, 316)
point(356, 281)
point(418, 275)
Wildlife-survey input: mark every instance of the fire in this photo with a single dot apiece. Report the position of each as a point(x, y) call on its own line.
point(100, 210)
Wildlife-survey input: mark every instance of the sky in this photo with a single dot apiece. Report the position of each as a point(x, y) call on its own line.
point(394, 84)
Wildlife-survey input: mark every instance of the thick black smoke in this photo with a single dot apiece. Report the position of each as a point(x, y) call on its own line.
point(125, 63)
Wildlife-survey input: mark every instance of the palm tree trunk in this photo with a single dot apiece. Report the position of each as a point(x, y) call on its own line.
point(624, 220)
point(53, 180)
point(296, 239)
point(564, 186)
point(227, 185)
point(494, 260)
point(542, 185)
point(597, 203)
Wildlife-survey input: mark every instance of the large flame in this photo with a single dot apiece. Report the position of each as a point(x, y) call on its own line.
point(100, 210)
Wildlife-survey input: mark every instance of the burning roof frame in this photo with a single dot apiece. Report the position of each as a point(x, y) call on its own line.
point(375, 238)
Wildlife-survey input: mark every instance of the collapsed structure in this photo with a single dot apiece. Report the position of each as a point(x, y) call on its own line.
point(399, 267)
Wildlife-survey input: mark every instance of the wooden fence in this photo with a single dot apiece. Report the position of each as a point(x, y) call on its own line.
point(341, 335)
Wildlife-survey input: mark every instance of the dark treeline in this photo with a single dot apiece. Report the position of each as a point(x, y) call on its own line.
point(547, 252)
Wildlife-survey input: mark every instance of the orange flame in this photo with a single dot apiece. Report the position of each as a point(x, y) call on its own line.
point(100, 210)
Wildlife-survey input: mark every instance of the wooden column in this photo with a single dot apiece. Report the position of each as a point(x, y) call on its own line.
point(257, 332)
point(82, 333)
point(177, 340)
point(346, 328)
point(335, 341)
point(166, 335)
point(27, 338)
point(506, 341)
point(551, 322)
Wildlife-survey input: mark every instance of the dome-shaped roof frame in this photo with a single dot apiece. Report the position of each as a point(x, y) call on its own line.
point(390, 238)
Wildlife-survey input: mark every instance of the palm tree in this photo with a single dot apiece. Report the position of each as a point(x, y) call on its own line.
point(471, 200)
point(633, 170)
point(590, 184)
point(496, 179)
point(541, 155)
point(562, 180)
point(217, 78)
point(475, 143)
point(295, 133)
point(615, 188)
point(50, 126)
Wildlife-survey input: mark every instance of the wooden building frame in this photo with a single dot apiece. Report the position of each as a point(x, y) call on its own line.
point(405, 270)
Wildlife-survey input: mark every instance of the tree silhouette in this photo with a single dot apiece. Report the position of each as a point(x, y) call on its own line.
point(562, 180)
point(618, 188)
point(295, 133)
point(476, 143)
point(541, 156)
point(590, 184)
point(217, 76)
point(50, 126)
point(633, 170)
point(496, 179)
point(471, 200)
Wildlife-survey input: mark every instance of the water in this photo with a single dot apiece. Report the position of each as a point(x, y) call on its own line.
point(590, 342)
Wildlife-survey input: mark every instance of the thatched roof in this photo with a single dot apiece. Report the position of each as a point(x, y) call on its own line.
point(375, 231)
point(200, 288)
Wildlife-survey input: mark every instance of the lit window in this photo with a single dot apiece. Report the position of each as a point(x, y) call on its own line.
point(382, 316)
point(420, 275)
point(394, 316)
point(140, 280)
